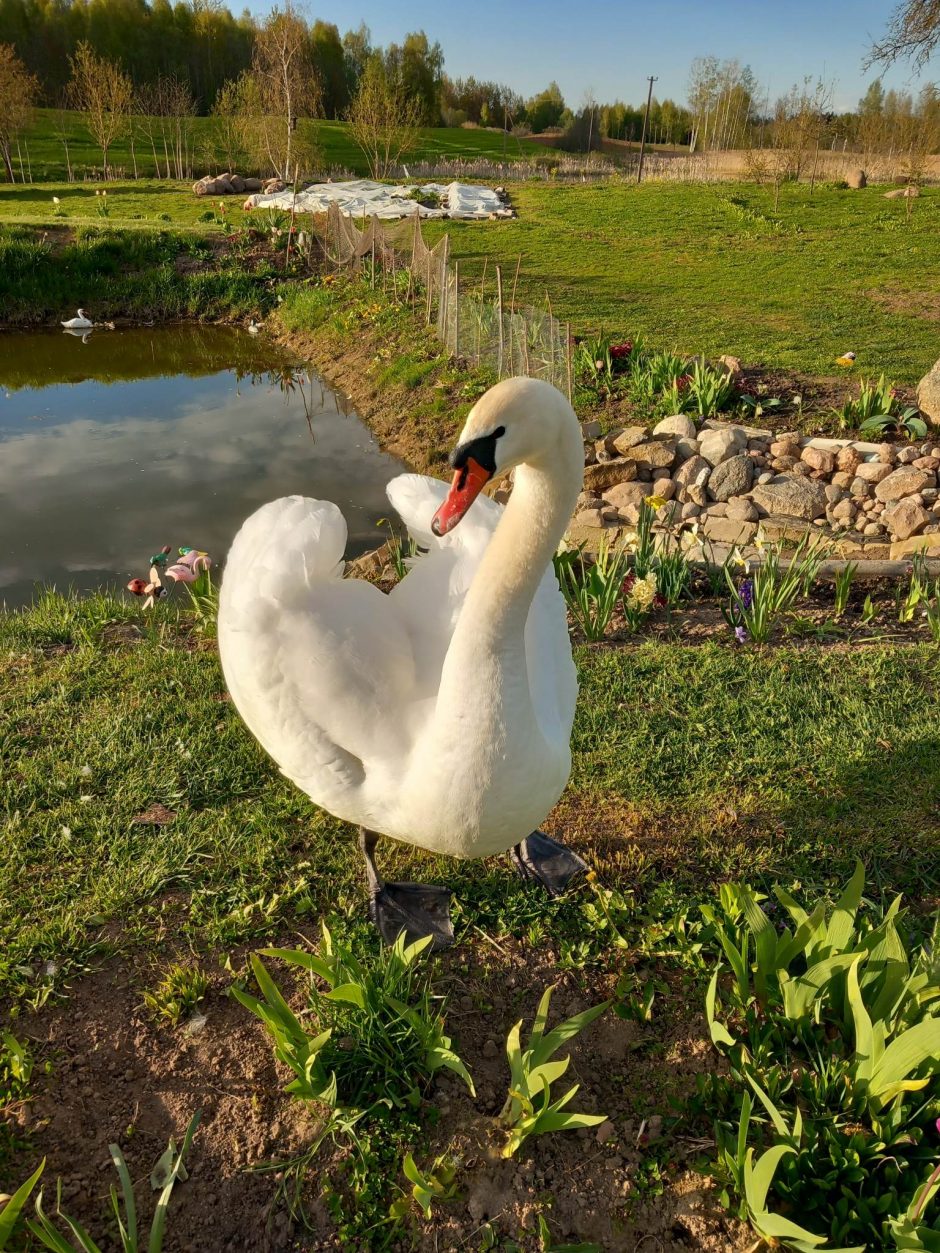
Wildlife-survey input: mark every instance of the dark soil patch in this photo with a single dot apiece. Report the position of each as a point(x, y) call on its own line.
point(118, 1076)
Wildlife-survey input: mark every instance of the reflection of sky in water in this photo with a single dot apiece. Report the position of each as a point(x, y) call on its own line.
point(94, 478)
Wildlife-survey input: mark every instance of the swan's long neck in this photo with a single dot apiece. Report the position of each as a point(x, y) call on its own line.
point(498, 602)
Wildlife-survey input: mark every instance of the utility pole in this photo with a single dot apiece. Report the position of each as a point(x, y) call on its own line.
point(646, 118)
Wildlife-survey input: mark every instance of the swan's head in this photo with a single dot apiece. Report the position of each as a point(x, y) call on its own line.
point(519, 420)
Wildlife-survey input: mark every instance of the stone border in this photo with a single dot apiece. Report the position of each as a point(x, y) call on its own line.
point(869, 502)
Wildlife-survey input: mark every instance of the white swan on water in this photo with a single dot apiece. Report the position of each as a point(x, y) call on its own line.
point(81, 323)
point(441, 714)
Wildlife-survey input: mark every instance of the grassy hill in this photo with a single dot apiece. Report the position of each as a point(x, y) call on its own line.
point(43, 147)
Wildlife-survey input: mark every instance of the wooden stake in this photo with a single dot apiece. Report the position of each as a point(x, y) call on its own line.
point(568, 356)
point(512, 303)
point(499, 314)
point(456, 308)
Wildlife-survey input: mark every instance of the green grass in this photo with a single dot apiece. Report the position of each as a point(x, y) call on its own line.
point(674, 262)
point(689, 764)
point(830, 272)
point(46, 152)
point(149, 274)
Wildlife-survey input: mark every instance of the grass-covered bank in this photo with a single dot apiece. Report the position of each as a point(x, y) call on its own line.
point(137, 275)
point(696, 765)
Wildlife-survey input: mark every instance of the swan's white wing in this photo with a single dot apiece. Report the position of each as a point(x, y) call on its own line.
point(430, 599)
point(320, 668)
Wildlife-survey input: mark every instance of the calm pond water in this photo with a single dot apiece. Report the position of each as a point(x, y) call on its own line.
point(134, 439)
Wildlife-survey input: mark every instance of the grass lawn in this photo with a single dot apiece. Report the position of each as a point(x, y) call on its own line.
point(693, 764)
point(712, 269)
point(703, 268)
point(46, 151)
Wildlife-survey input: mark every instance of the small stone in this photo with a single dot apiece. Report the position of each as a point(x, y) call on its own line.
point(907, 456)
point(728, 530)
point(625, 440)
point(732, 477)
point(802, 471)
point(873, 471)
point(622, 494)
point(741, 509)
point(697, 495)
point(784, 463)
point(718, 510)
point(589, 517)
point(590, 430)
point(695, 470)
point(599, 478)
point(927, 463)
point(606, 1131)
point(689, 510)
point(843, 479)
point(820, 459)
point(665, 488)
point(785, 448)
point(731, 364)
point(654, 453)
point(718, 446)
point(686, 448)
point(678, 425)
point(490, 1049)
point(766, 477)
point(844, 512)
point(848, 459)
point(872, 528)
point(902, 482)
point(887, 454)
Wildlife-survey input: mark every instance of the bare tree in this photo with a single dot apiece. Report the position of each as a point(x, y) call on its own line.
point(62, 129)
point(231, 137)
point(384, 120)
point(101, 90)
point(913, 33)
point(284, 88)
point(18, 91)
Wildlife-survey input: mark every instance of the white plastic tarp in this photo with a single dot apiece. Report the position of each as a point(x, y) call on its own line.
point(362, 198)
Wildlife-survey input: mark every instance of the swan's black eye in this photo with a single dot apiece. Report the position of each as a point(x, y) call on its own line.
point(482, 450)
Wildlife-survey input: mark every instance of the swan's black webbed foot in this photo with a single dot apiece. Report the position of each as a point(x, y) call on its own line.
point(418, 909)
point(540, 859)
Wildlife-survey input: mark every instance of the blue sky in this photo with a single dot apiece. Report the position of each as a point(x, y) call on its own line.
point(612, 47)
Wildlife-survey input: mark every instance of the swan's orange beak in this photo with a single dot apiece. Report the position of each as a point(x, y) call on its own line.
point(468, 482)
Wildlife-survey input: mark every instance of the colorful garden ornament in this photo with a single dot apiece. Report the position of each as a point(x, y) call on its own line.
point(191, 564)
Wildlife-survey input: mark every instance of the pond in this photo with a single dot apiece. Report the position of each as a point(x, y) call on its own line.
point(113, 446)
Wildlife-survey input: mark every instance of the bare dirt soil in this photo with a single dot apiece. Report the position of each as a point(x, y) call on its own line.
point(116, 1075)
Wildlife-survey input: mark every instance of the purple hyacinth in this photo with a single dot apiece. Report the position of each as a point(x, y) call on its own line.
point(747, 593)
point(740, 634)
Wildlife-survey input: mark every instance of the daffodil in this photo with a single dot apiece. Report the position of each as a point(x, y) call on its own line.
point(655, 502)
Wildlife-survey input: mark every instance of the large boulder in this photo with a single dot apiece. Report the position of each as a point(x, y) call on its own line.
point(928, 395)
point(856, 179)
point(902, 193)
point(624, 494)
point(731, 478)
point(793, 497)
point(253, 184)
point(654, 454)
point(238, 184)
point(695, 470)
point(598, 478)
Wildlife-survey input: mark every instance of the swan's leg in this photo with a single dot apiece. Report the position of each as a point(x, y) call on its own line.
point(540, 859)
point(417, 909)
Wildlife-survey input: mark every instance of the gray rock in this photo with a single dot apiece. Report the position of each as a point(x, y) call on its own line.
point(731, 478)
point(686, 448)
point(633, 435)
point(718, 446)
point(793, 497)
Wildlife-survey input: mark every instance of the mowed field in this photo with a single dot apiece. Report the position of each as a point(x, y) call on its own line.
point(702, 268)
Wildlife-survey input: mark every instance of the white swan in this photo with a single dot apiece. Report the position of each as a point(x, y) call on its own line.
point(81, 323)
point(253, 327)
point(440, 714)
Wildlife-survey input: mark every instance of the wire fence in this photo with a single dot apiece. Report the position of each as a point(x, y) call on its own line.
point(475, 315)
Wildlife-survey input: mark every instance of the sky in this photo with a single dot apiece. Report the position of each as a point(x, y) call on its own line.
point(612, 48)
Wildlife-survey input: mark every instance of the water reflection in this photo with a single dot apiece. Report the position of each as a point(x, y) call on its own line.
point(112, 448)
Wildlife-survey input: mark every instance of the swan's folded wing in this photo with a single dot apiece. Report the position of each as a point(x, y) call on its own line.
point(320, 668)
point(553, 680)
point(430, 599)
